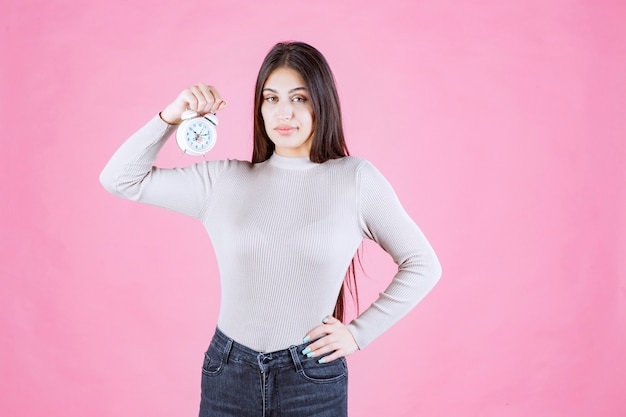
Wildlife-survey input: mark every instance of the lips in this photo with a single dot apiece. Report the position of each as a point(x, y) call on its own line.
point(285, 130)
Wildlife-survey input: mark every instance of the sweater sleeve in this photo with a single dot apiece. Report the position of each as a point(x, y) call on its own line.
point(384, 220)
point(130, 173)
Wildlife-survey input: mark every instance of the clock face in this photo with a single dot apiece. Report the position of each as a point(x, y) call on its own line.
point(199, 135)
point(196, 135)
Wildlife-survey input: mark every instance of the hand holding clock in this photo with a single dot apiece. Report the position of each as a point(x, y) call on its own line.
point(200, 98)
point(194, 111)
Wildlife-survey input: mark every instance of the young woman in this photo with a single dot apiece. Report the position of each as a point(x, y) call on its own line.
point(285, 228)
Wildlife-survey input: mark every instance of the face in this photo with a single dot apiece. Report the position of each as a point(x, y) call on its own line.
point(288, 113)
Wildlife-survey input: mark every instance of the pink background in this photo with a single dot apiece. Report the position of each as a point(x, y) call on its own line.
point(500, 124)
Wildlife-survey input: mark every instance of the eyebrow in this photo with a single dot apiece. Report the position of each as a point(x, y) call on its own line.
point(293, 90)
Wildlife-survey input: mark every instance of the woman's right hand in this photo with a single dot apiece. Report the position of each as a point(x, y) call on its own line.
point(200, 98)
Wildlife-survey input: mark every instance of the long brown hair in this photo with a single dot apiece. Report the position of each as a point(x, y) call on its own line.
point(328, 138)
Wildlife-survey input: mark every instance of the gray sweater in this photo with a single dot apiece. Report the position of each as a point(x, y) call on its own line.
point(284, 232)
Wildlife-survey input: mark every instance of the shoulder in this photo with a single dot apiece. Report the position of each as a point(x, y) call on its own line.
point(232, 163)
point(351, 163)
point(228, 165)
point(361, 170)
point(218, 169)
point(360, 166)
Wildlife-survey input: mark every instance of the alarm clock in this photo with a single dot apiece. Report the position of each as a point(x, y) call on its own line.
point(196, 135)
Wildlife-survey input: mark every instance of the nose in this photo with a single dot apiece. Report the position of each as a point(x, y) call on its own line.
point(285, 110)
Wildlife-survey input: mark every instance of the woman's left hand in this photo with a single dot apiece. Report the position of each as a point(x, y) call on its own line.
point(334, 337)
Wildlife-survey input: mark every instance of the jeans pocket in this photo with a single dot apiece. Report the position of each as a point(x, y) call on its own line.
point(213, 362)
point(322, 373)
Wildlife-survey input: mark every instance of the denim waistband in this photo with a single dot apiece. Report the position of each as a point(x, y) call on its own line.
point(237, 352)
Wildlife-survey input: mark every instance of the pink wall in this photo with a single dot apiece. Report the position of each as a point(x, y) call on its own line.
point(501, 125)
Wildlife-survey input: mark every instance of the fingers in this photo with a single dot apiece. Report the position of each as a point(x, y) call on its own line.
point(200, 98)
point(204, 99)
point(333, 340)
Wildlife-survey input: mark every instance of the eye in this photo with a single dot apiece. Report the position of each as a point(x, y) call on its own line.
point(299, 99)
point(270, 99)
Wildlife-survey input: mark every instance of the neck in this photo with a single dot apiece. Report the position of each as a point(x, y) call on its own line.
point(291, 162)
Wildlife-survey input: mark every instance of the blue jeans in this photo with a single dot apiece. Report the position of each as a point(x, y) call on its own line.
point(240, 382)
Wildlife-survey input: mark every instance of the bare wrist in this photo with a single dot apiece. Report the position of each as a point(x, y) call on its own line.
point(168, 121)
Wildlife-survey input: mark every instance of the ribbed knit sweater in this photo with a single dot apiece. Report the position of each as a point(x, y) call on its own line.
point(284, 232)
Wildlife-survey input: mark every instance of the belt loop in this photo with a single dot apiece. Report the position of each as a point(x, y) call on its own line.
point(294, 357)
point(227, 350)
